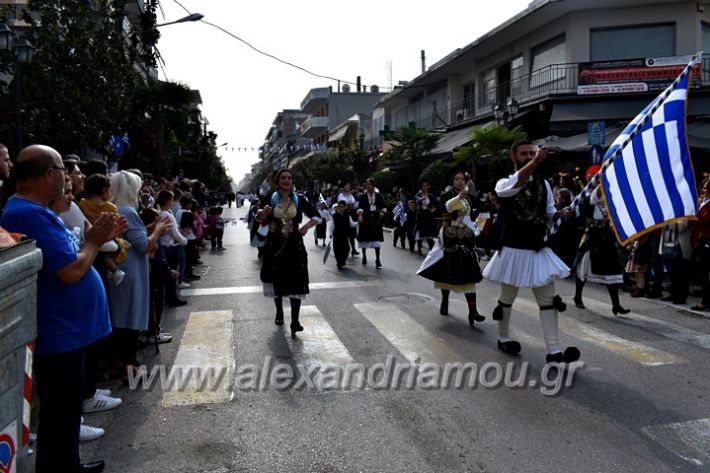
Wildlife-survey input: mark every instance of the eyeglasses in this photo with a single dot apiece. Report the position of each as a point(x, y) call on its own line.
point(59, 168)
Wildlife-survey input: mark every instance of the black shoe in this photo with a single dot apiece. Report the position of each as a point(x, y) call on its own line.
point(559, 304)
point(510, 347)
point(296, 328)
point(93, 467)
point(570, 355)
point(579, 304)
point(364, 260)
point(177, 303)
point(619, 310)
point(444, 309)
point(475, 317)
point(356, 253)
point(378, 265)
point(279, 319)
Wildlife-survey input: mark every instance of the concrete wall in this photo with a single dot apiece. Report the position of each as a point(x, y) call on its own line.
point(342, 106)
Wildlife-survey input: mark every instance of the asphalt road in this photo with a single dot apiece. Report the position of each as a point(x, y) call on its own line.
point(640, 402)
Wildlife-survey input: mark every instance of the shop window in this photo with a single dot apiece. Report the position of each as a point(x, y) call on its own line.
point(632, 42)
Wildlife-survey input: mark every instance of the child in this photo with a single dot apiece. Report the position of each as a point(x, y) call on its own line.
point(98, 193)
point(216, 222)
point(322, 227)
point(409, 225)
point(339, 230)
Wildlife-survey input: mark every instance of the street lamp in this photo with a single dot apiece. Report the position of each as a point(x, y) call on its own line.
point(22, 51)
point(504, 115)
point(190, 17)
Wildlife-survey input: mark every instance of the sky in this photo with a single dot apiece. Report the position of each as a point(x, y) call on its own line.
point(242, 90)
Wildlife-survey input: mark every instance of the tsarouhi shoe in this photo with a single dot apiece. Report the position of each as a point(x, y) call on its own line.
point(511, 347)
point(570, 355)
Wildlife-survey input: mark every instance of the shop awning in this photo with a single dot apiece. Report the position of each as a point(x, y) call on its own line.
point(612, 110)
point(338, 133)
point(452, 139)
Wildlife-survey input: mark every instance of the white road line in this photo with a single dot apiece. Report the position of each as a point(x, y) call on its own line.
point(635, 351)
point(661, 327)
point(688, 440)
point(318, 344)
point(205, 355)
point(216, 291)
point(413, 340)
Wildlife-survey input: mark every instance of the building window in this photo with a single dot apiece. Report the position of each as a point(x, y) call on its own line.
point(706, 39)
point(469, 91)
point(632, 42)
point(516, 73)
point(488, 88)
point(545, 58)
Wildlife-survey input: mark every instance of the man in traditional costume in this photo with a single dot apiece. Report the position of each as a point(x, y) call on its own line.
point(524, 259)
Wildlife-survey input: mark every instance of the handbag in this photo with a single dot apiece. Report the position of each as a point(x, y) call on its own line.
point(672, 251)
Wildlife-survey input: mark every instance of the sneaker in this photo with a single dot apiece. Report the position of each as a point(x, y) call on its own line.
point(100, 403)
point(117, 276)
point(88, 433)
point(183, 285)
point(164, 337)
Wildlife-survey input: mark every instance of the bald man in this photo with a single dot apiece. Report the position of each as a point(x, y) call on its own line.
point(72, 311)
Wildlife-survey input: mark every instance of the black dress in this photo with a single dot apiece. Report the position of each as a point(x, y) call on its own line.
point(284, 268)
point(370, 234)
point(426, 208)
point(453, 263)
point(341, 231)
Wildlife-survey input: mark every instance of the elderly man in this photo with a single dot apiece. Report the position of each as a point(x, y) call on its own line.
point(72, 311)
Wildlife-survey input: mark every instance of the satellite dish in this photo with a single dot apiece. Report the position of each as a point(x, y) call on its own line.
point(346, 88)
point(375, 89)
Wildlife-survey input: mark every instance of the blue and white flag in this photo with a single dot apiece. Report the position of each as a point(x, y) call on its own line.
point(400, 213)
point(647, 176)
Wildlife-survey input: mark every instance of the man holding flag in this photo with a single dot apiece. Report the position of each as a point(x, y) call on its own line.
point(525, 260)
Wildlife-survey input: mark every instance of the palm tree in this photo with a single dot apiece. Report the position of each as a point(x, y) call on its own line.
point(408, 151)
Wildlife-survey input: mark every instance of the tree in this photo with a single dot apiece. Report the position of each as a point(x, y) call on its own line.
point(490, 148)
point(77, 90)
point(408, 152)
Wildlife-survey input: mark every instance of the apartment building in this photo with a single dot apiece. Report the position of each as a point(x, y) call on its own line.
point(562, 65)
point(284, 140)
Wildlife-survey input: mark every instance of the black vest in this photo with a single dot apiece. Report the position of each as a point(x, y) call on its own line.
point(525, 216)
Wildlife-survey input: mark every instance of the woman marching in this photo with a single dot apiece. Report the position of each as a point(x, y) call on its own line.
point(453, 263)
point(284, 269)
point(371, 210)
point(597, 260)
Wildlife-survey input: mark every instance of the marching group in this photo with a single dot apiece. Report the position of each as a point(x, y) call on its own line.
point(514, 221)
point(116, 249)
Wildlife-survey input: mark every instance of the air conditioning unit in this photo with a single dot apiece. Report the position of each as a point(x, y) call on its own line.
point(460, 115)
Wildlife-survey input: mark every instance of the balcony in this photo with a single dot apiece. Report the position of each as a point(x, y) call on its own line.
point(313, 127)
point(315, 99)
point(551, 81)
point(133, 10)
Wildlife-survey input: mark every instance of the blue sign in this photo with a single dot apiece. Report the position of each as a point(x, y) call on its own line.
point(596, 154)
point(595, 133)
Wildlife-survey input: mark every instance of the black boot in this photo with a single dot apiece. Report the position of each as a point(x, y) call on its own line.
point(614, 296)
point(419, 248)
point(444, 307)
point(364, 256)
point(295, 309)
point(279, 320)
point(578, 287)
point(473, 315)
point(378, 265)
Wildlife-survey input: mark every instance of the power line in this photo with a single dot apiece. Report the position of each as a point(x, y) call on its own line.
point(263, 52)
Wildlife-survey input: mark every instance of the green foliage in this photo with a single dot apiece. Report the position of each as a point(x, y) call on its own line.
point(408, 151)
point(436, 173)
point(492, 142)
point(387, 179)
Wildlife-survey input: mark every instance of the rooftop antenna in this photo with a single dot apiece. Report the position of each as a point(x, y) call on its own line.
point(389, 74)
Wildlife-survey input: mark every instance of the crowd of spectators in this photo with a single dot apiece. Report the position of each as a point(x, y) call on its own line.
point(117, 248)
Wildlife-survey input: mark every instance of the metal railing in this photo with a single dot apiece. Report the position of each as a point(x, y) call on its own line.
point(555, 79)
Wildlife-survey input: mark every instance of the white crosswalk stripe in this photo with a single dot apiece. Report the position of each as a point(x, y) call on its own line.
point(413, 340)
point(318, 344)
point(635, 351)
point(688, 440)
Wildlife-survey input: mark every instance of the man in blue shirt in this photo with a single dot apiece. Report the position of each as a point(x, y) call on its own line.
point(72, 311)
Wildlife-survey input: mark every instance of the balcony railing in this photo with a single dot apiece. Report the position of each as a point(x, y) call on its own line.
point(556, 79)
point(314, 126)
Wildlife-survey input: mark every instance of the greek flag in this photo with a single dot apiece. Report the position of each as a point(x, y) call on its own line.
point(400, 213)
point(647, 176)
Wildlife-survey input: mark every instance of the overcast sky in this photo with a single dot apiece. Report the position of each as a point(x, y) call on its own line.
point(242, 90)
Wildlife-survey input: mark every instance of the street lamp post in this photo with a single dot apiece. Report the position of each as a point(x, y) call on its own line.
point(190, 17)
point(504, 114)
point(22, 51)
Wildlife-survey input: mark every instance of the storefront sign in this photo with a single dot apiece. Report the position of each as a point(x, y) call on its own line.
point(595, 133)
point(633, 75)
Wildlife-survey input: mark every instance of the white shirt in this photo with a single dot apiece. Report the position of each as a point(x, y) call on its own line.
point(506, 188)
point(174, 235)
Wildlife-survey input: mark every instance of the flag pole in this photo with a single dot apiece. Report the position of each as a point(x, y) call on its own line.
point(594, 181)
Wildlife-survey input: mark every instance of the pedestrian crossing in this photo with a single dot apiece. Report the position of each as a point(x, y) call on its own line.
point(321, 346)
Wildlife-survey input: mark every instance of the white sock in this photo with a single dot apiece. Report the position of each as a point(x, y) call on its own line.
point(548, 320)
